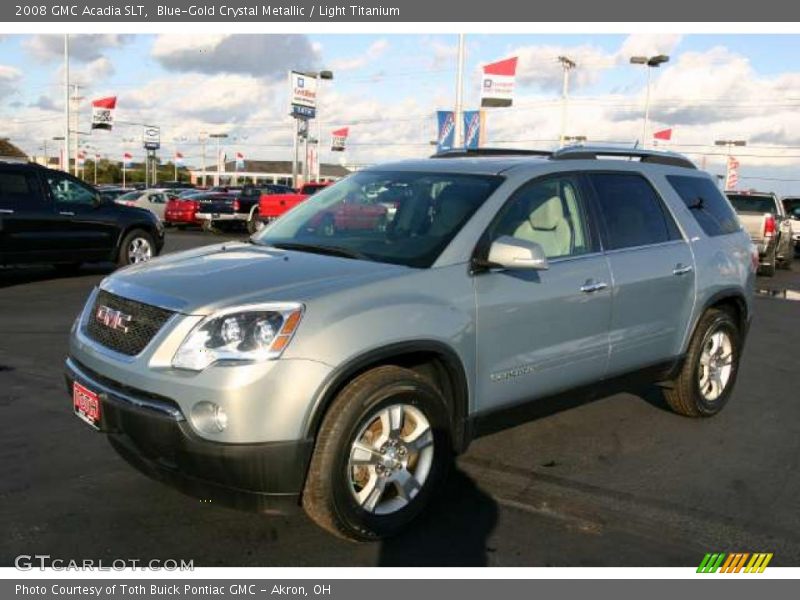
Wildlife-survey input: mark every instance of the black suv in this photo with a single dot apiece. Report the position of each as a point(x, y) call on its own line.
point(48, 216)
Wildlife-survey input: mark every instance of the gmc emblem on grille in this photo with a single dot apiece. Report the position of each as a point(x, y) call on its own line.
point(112, 318)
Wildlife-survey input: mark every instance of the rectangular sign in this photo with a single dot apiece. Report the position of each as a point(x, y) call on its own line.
point(151, 137)
point(339, 139)
point(103, 112)
point(445, 130)
point(474, 128)
point(302, 91)
point(497, 84)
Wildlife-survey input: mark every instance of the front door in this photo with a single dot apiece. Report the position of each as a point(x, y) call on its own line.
point(541, 332)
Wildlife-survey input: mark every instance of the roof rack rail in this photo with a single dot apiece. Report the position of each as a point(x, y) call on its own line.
point(462, 152)
point(646, 156)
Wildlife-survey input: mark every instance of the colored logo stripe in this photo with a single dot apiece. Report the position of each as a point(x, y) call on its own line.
point(734, 562)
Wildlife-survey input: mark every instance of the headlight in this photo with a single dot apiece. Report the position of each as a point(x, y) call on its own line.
point(241, 334)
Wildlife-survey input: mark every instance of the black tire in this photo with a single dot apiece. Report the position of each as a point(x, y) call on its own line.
point(328, 497)
point(208, 226)
point(683, 393)
point(181, 227)
point(768, 270)
point(123, 256)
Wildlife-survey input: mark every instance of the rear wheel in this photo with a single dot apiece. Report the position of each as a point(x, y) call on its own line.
point(255, 224)
point(709, 371)
point(382, 451)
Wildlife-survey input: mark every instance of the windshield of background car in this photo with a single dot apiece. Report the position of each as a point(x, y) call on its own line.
point(405, 218)
point(757, 204)
point(130, 196)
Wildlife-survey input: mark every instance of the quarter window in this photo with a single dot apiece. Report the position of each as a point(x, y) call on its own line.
point(633, 213)
point(708, 206)
point(18, 190)
point(548, 212)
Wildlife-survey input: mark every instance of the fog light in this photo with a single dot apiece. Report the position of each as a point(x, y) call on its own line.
point(209, 417)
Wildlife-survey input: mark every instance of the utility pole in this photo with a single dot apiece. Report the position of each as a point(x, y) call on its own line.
point(458, 113)
point(76, 100)
point(567, 64)
point(65, 158)
point(203, 138)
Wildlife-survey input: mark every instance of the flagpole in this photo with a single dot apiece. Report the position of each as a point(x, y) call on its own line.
point(65, 160)
point(123, 170)
point(459, 142)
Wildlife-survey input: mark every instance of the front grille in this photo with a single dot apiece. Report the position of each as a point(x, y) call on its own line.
point(145, 322)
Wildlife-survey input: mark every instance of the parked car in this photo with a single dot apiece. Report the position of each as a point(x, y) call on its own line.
point(181, 211)
point(791, 205)
point(111, 193)
point(218, 209)
point(763, 217)
point(272, 205)
point(48, 216)
point(343, 371)
point(151, 199)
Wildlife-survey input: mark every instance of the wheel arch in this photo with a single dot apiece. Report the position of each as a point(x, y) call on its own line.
point(731, 300)
point(434, 360)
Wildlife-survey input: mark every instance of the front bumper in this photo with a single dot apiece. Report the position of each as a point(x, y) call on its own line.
point(153, 435)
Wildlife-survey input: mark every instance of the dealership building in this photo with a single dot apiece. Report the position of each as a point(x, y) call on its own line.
point(260, 171)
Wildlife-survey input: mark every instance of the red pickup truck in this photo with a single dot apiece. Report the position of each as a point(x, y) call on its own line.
point(272, 206)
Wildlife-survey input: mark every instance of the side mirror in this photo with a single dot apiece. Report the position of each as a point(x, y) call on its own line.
point(512, 253)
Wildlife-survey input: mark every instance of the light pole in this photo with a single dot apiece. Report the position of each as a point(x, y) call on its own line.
point(729, 144)
point(651, 62)
point(326, 75)
point(125, 140)
point(203, 138)
point(176, 141)
point(459, 119)
point(567, 64)
point(218, 137)
point(65, 159)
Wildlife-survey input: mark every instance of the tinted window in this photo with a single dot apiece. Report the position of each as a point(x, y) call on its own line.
point(18, 189)
point(756, 204)
point(792, 206)
point(632, 212)
point(706, 203)
point(400, 217)
point(549, 212)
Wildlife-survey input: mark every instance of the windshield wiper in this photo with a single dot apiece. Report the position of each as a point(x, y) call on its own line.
point(315, 249)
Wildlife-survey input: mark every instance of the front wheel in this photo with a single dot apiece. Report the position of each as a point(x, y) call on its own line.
point(382, 451)
point(709, 371)
point(137, 247)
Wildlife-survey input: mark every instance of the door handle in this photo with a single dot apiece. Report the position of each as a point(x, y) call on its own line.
point(593, 286)
point(682, 269)
point(67, 213)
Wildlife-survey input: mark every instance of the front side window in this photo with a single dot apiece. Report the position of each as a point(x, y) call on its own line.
point(19, 190)
point(632, 212)
point(549, 212)
point(68, 191)
point(706, 203)
point(398, 217)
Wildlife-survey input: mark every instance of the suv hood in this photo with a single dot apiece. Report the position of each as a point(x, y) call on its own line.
point(203, 280)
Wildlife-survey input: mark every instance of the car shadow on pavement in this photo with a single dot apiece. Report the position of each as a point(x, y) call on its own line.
point(11, 276)
point(453, 531)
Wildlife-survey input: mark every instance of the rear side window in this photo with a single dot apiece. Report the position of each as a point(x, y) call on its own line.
point(18, 190)
point(706, 203)
point(753, 204)
point(633, 213)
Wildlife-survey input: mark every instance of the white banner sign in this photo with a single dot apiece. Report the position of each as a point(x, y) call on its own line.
point(303, 90)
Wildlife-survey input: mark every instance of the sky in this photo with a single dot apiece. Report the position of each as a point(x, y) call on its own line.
point(386, 88)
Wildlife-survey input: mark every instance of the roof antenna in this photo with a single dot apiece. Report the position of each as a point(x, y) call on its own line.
point(635, 144)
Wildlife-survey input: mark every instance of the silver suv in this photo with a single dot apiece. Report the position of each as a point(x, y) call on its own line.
point(342, 356)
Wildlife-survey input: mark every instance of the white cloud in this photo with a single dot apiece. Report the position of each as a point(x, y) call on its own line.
point(261, 55)
point(83, 48)
point(9, 80)
point(371, 54)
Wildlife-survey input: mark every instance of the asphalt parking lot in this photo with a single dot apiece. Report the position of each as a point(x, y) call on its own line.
point(616, 482)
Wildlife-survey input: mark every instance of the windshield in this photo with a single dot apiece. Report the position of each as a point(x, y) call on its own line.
point(405, 218)
point(757, 204)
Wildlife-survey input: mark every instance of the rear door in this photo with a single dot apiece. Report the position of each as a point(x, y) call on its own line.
point(541, 332)
point(652, 267)
point(88, 227)
point(28, 223)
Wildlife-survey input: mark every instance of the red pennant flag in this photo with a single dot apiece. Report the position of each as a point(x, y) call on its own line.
point(664, 134)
